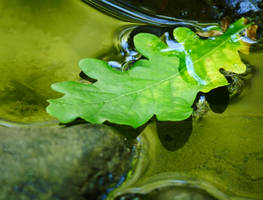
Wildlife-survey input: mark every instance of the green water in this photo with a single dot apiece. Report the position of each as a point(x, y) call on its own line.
point(224, 154)
point(41, 42)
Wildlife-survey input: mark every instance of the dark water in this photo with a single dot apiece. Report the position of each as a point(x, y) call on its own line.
point(170, 12)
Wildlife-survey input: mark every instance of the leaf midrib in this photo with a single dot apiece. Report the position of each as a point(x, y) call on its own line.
point(140, 90)
point(214, 49)
point(164, 80)
point(171, 77)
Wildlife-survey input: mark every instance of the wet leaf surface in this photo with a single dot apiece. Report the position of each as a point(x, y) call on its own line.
point(164, 84)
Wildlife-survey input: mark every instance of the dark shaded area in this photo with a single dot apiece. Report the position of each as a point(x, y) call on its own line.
point(173, 135)
point(218, 99)
point(87, 78)
point(159, 11)
point(159, 31)
point(24, 95)
point(129, 132)
point(18, 91)
point(170, 193)
point(183, 9)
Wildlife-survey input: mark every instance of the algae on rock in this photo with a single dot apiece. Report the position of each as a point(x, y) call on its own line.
point(78, 162)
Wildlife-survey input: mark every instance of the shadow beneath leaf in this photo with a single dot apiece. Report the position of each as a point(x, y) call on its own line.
point(218, 99)
point(174, 135)
point(127, 131)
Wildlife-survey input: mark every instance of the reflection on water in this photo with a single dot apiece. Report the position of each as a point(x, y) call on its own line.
point(171, 12)
point(134, 11)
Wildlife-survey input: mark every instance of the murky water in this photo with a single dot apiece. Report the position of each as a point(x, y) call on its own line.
point(42, 42)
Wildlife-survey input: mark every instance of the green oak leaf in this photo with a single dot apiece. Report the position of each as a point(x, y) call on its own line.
point(205, 57)
point(164, 84)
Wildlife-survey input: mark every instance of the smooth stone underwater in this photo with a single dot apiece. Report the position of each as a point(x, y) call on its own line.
point(78, 162)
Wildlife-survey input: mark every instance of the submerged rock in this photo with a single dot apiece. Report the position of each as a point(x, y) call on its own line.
point(78, 162)
point(243, 6)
